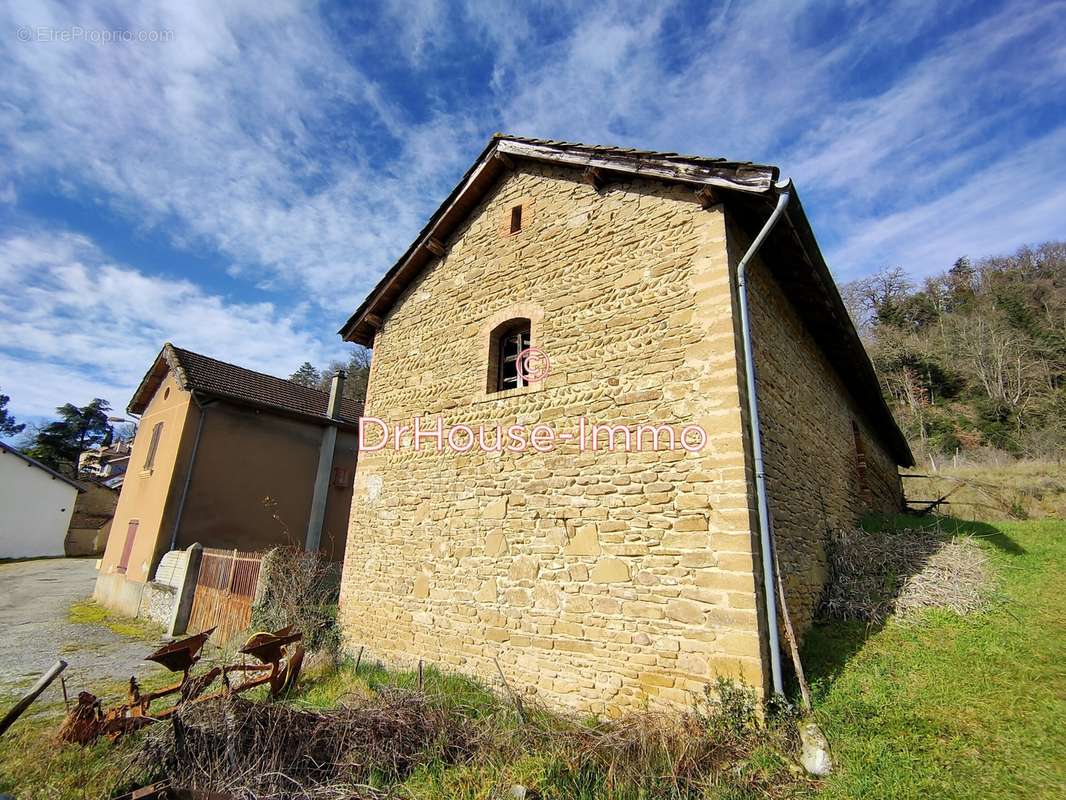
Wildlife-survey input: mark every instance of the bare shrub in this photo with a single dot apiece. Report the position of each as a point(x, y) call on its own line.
point(666, 754)
point(300, 589)
point(874, 575)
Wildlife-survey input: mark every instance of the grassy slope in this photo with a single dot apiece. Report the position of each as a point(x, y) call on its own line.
point(955, 707)
point(1017, 490)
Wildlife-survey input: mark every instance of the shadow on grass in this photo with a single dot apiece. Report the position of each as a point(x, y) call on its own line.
point(949, 526)
point(831, 643)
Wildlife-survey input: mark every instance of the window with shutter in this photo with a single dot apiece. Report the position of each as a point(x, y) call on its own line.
point(127, 546)
point(149, 460)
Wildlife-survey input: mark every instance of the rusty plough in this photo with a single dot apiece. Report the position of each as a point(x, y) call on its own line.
point(280, 655)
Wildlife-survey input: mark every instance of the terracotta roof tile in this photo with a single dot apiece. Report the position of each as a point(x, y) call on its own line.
point(209, 376)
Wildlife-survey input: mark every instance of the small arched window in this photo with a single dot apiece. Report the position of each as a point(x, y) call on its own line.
point(509, 339)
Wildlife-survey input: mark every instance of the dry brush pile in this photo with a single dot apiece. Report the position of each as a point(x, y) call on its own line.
point(266, 751)
point(874, 575)
point(367, 750)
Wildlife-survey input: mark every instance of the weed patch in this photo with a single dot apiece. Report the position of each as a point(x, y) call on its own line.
point(89, 612)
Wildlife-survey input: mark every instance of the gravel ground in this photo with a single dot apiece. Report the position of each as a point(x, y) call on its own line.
point(35, 630)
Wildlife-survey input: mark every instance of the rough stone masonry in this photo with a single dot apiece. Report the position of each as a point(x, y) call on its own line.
point(598, 580)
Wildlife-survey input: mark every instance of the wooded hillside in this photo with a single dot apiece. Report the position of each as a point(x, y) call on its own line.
point(974, 357)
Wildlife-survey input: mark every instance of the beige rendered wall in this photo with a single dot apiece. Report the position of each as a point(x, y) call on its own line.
point(599, 580)
point(148, 496)
point(808, 443)
point(339, 503)
point(145, 493)
point(245, 456)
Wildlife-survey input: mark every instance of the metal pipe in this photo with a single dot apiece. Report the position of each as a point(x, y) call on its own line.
point(765, 530)
point(35, 692)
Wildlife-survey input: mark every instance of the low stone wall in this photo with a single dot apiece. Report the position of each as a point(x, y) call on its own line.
point(156, 600)
point(157, 603)
point(87, 541)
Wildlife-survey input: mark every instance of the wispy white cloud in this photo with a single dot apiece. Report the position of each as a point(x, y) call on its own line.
point(916, 134)
point(997, 209)
point(247, 129)
point(305, 155)
point(85, 326)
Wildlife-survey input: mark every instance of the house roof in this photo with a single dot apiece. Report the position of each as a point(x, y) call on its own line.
point(749, 190)
point(33, 462)
point(210, 377)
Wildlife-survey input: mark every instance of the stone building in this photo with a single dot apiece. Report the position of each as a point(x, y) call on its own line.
point(90, 525)
point(600, 578)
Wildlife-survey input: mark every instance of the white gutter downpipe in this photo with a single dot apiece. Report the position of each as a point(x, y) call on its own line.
point(765, 531)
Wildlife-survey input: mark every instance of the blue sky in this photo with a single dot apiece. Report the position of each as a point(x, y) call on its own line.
point(238, 188)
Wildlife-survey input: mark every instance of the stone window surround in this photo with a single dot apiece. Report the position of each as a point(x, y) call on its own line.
point(535, 315)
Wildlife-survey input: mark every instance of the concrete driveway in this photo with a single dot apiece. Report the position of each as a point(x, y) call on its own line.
point(35, 629)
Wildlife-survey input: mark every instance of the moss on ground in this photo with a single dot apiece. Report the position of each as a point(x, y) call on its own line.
point(89, 612)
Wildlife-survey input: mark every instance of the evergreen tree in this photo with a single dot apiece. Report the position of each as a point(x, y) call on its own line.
point(60, 444)
point(358, 369)
point(7, 422)
point(306, 375)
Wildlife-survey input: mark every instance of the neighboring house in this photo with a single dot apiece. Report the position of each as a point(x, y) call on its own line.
point(91, 523)
point(36, 504)
point(107, 462)
point(227, 458)
point(606, 579)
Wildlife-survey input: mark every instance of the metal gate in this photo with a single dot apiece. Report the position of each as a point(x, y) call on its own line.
point(225, 589)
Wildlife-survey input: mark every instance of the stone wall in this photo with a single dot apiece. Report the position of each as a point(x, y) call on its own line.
point(599, 580)
point(812, 470)
point(157, 603)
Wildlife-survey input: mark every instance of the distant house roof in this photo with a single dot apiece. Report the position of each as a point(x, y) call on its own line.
point(33, 462)
point(210, 377)
point(749, 190)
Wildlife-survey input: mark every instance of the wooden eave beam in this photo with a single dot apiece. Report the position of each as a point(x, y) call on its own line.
point(741, 177)
point(595, 177)
point(707, 196)
point(504, 154)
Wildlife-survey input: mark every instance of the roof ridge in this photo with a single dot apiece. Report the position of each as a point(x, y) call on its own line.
point(245, 369)
point(614, 148)
point(209, 376)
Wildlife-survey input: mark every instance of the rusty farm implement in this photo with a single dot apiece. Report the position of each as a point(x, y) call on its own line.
point(277, 655)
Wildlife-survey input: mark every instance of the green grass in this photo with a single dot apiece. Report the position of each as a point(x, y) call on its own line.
point(89, 612)
point(34, 766)
point(948, 706)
